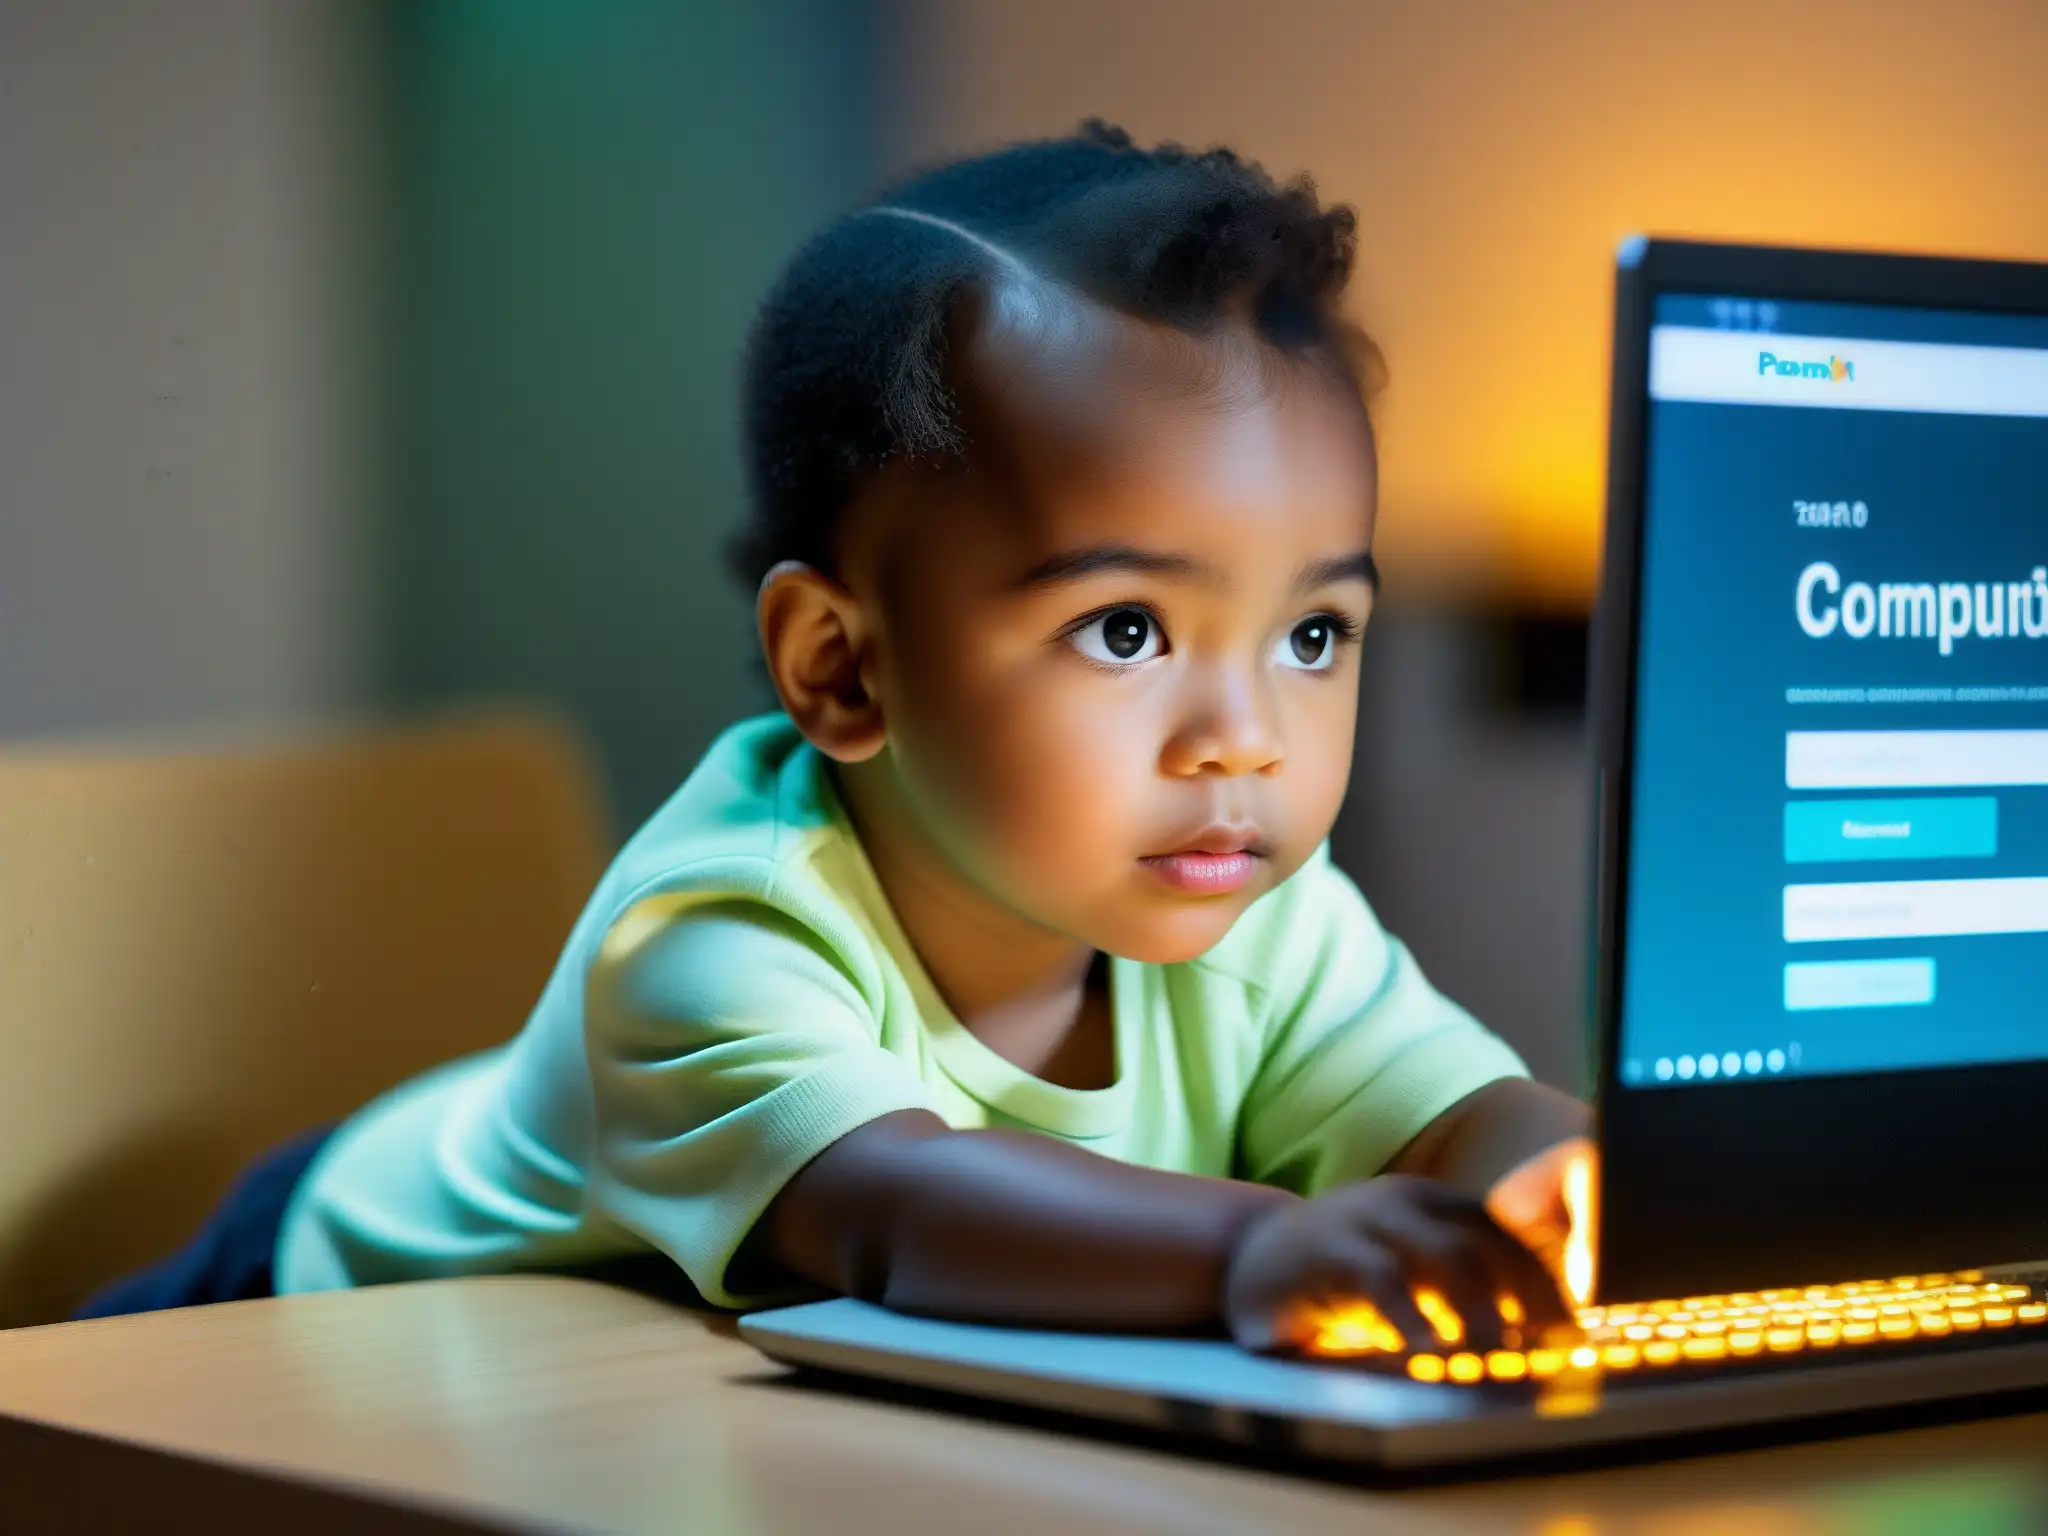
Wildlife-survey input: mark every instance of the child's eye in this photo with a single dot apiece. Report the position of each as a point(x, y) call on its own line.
point(1120, 637)
point(1311, 646)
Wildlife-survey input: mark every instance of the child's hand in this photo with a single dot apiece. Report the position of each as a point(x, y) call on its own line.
point(1543, 1201)
point(1383, 1241)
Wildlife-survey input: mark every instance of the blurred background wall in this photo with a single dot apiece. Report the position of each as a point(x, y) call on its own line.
point(587, 201)
point(365, 355)
point(187, 195)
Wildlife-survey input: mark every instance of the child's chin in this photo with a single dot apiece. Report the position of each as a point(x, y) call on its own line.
point(1185, 935)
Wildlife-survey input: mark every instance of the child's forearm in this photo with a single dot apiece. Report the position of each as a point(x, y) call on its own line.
point(1487, 1133)
point(1009, 1227)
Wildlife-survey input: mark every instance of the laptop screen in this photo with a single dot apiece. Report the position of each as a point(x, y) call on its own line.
point(1838, 828)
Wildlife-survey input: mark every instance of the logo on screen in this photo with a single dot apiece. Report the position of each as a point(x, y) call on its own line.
point(1836, 370)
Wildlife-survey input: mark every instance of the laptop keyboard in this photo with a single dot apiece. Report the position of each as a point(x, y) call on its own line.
point(1644, 1338)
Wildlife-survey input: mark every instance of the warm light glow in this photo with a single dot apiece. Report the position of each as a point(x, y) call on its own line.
point(1360, 1328)
point(1440, 1315)
point(1701, 1331)
point(1580, 1206)
point(1356, 1328)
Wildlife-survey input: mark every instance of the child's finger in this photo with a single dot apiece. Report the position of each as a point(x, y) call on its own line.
point(1517, 1257)
point(1349, 1270)
point(1454, 1286)
point(1517, 1269)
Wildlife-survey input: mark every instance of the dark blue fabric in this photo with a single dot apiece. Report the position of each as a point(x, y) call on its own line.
point(231, 1258)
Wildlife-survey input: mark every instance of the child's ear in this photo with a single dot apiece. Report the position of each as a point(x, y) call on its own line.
point(819, 652)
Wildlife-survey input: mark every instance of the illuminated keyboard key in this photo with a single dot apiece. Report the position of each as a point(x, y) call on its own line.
point(1506, 1365)
point(1465, 1368)
point(1426, 1367)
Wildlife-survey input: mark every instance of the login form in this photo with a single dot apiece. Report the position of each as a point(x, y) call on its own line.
point(1838, 828)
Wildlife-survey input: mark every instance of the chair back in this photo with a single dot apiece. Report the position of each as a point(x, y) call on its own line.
point(205, 952)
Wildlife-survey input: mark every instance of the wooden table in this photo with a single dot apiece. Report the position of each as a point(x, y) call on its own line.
point(546, 1404)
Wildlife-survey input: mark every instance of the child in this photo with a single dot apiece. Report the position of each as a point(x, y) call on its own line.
point(1004, 972)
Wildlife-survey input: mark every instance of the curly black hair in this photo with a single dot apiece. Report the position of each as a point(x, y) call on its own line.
point(846, 364)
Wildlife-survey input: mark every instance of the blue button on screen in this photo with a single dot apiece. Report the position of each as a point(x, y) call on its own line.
point(1927, 827)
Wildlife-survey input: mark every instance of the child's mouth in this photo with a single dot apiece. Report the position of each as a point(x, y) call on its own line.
point(1203, 874)
point(1213, 862)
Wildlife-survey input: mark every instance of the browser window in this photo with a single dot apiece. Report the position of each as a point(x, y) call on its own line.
point(1839, 820)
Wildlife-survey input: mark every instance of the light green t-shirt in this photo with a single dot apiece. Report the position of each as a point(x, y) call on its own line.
point(738, 995)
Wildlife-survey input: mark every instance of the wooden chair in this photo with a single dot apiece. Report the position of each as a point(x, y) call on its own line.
point(204, 952)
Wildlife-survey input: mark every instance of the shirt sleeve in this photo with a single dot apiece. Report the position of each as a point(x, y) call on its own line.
point(728, 1046)
point(1361, 1052)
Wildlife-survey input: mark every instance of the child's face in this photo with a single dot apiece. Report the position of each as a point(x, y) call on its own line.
point(1115, 656)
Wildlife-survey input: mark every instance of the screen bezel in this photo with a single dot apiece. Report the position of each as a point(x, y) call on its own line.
point(1797, 1180)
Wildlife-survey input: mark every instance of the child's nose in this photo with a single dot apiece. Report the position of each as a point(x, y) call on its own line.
point(1233, 730)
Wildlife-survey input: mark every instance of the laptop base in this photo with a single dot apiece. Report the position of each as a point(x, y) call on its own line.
point(1332, 1412)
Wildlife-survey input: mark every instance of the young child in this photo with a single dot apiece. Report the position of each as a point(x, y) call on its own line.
point(1003, 973)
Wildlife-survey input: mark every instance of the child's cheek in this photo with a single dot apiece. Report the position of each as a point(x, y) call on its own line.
point(1069, 790)
point(1034, 801)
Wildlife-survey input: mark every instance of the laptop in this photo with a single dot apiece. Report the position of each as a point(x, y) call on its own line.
point(1820, 712)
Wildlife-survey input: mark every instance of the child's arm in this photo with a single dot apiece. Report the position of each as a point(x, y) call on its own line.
point(1478, 1140)
point(1010, 1227)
